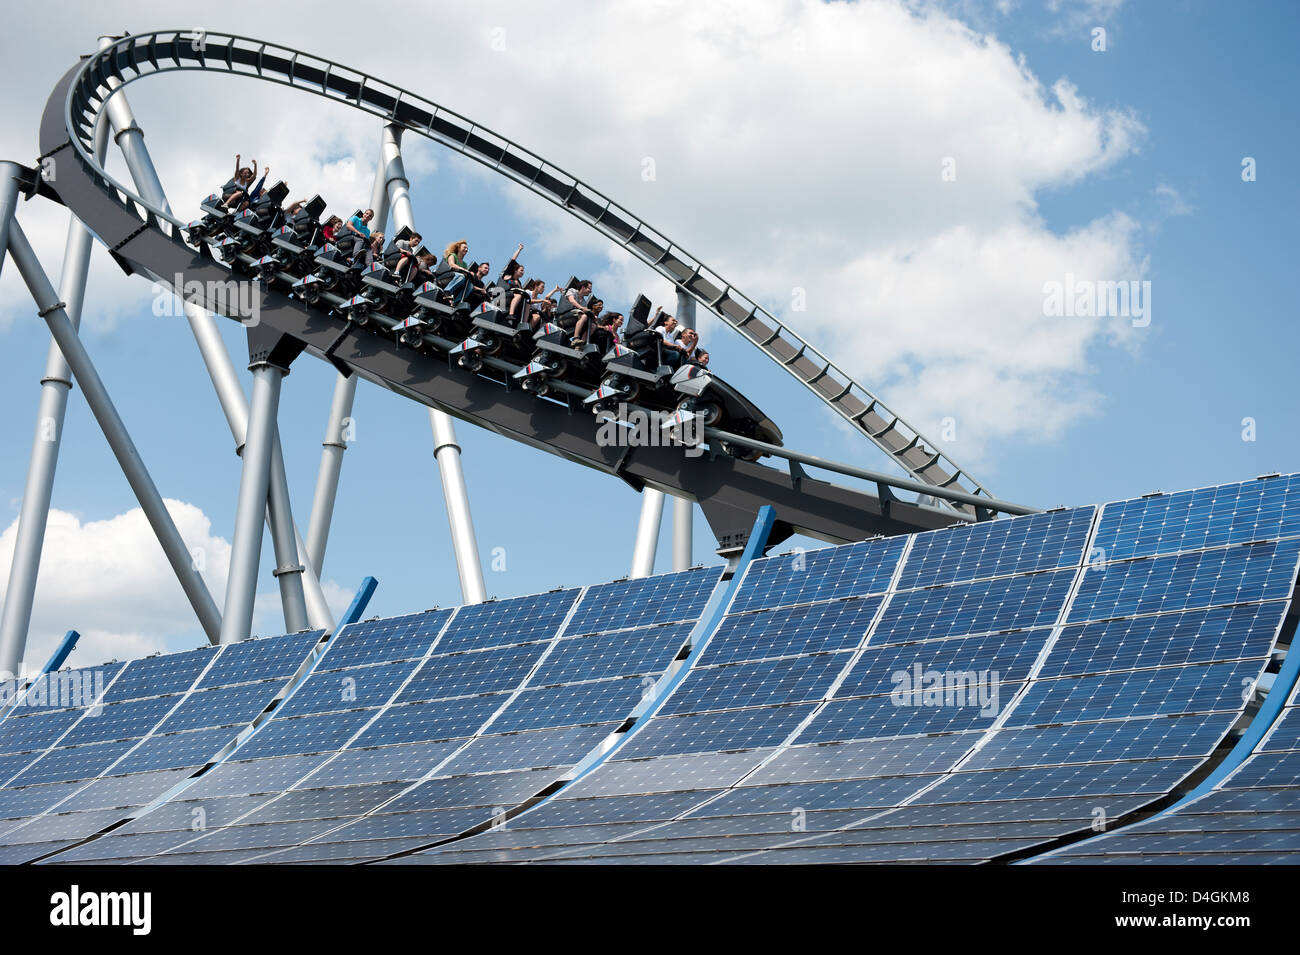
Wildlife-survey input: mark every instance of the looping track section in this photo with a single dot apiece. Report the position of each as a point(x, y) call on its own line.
point(133, 57)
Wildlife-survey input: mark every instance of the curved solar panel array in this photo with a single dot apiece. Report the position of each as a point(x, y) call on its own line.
point(416, 729)
point(1251, 817)
point(87, 748)
point(1112, 653)
point(985, 692)
point(784, 725)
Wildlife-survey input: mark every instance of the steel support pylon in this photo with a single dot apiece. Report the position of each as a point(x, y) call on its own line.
point(446, 450)
point(336, 431)
point(20, 594)
point(110, 422)
point(647, 533)
point(254, 485)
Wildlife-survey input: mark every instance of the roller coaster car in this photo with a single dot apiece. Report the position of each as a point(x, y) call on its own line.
point(490, 332)
point(212, 222)
point(387, 290)
point(293, 244)
point(431, 314)
point(555, 357)
point(251, 229)
point(335, 272)
point(391, 252)
point(705, 397)
point(632, 366)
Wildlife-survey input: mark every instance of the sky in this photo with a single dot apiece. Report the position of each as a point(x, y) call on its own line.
point(901, 182)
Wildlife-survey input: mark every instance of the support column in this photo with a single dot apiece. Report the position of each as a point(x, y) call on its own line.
point(345, 390)
point(446, 451)
point(683, 531)
point(20, 595)
point(9, 188)
point(647, 533)
point(456, 497)
point(178, 555)
point(130, 139)
point(254, 484)
point(288, 567)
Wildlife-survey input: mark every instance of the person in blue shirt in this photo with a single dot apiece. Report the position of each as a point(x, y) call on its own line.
point(356, 231)
point(361, 224)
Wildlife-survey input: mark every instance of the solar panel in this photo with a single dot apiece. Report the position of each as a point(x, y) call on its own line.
point(854, 570)
point(156, 730)
point(490, 706)
point(960, 695)
point(1115, 708)
point(997, 548)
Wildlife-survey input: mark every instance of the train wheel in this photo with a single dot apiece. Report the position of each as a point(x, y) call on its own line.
point(710, 411)
point(744, 454)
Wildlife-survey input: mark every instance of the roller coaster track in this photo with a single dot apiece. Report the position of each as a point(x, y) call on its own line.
point(147, 240)
point(135, 56)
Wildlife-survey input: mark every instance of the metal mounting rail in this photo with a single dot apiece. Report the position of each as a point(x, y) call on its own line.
point(988, 505)
point(161, 51)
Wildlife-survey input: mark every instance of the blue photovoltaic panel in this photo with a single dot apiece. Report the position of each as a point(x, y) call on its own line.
point(1248, 817)
point(26, 731)
point(1093, 742)
point(643, 651)
point(76, 762)
point(910, 668)
point(441, 719)
point(263, 658)
point(1284, 735)
point(381, 641)
point(222, 706)
point(172, 750)
point(1200, 636)
point(1128, 693)
point(706, 732)
point(914, 757)
point(812, 628)
point(880, 716)
point(1018, 545)
point(1235, 575)
point(758, 683)
point(646, 601)
point(854, 570)
point(61, 690)
point(1209, 517)
point(351, 688)
point(573, 703)
point(479, 671)
point(987, 606)
point(154, 676)
point(126, 720)
point(505, 622)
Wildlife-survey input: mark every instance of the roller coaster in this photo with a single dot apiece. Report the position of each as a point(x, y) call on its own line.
point(463, 358)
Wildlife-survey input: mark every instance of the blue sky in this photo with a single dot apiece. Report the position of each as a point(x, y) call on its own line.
point(1189, 88)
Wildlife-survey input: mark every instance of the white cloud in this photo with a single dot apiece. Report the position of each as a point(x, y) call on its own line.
point(1171, 201)
point(110, 581)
